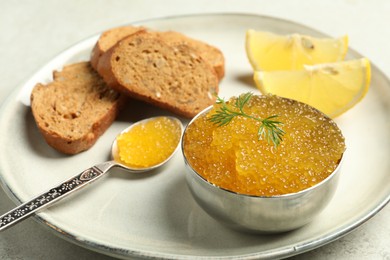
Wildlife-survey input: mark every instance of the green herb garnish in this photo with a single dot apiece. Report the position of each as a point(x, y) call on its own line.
point(269, 128)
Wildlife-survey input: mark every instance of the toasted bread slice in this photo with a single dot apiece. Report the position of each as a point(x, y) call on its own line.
point(75, 109)
point(176, 78)
point(209, 53)
point(108, 39)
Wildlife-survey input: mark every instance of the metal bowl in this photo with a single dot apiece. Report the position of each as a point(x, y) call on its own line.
point(260, 214)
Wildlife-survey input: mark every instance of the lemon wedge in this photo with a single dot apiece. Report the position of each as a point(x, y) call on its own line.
point(269, 51)
point(332, 88)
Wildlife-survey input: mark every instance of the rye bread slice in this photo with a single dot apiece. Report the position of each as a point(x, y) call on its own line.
point(75, 109)
point(174, 78)
point(109, 38)
point(208, 52)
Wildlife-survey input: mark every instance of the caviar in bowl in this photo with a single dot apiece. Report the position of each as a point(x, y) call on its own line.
point(248, 182)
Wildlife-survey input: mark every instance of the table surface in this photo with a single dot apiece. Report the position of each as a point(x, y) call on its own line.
point(32, 32)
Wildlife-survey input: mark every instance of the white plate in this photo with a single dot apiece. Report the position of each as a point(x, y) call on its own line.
point(153, 214)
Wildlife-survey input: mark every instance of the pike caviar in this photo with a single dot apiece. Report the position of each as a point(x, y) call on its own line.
point(232, 156)
point(150, 143)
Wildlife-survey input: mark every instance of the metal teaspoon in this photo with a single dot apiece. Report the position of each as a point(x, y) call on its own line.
point(77, 182)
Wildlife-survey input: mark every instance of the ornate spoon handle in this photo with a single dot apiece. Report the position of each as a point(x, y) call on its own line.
point(48, 198)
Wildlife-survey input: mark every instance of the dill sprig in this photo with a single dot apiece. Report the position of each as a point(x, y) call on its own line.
point(269, 129)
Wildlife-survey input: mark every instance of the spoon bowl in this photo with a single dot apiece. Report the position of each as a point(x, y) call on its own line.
point(80, 180)
point(115, 151)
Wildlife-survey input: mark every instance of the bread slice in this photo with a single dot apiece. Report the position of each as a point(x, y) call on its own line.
point(176, 78)
point(209, 53)
point(108, 39)
point(75, 109)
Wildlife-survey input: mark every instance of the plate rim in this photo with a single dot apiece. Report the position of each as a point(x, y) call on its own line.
point(123, 252)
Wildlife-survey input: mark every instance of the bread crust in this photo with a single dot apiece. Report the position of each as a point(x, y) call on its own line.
point(69, 125)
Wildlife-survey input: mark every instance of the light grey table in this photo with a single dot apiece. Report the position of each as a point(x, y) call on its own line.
point(32, 32)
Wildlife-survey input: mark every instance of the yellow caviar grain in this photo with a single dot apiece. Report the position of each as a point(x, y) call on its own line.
point(149, 143)
point(233, 158)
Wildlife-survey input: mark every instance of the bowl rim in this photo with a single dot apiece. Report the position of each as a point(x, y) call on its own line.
point(298, 193)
